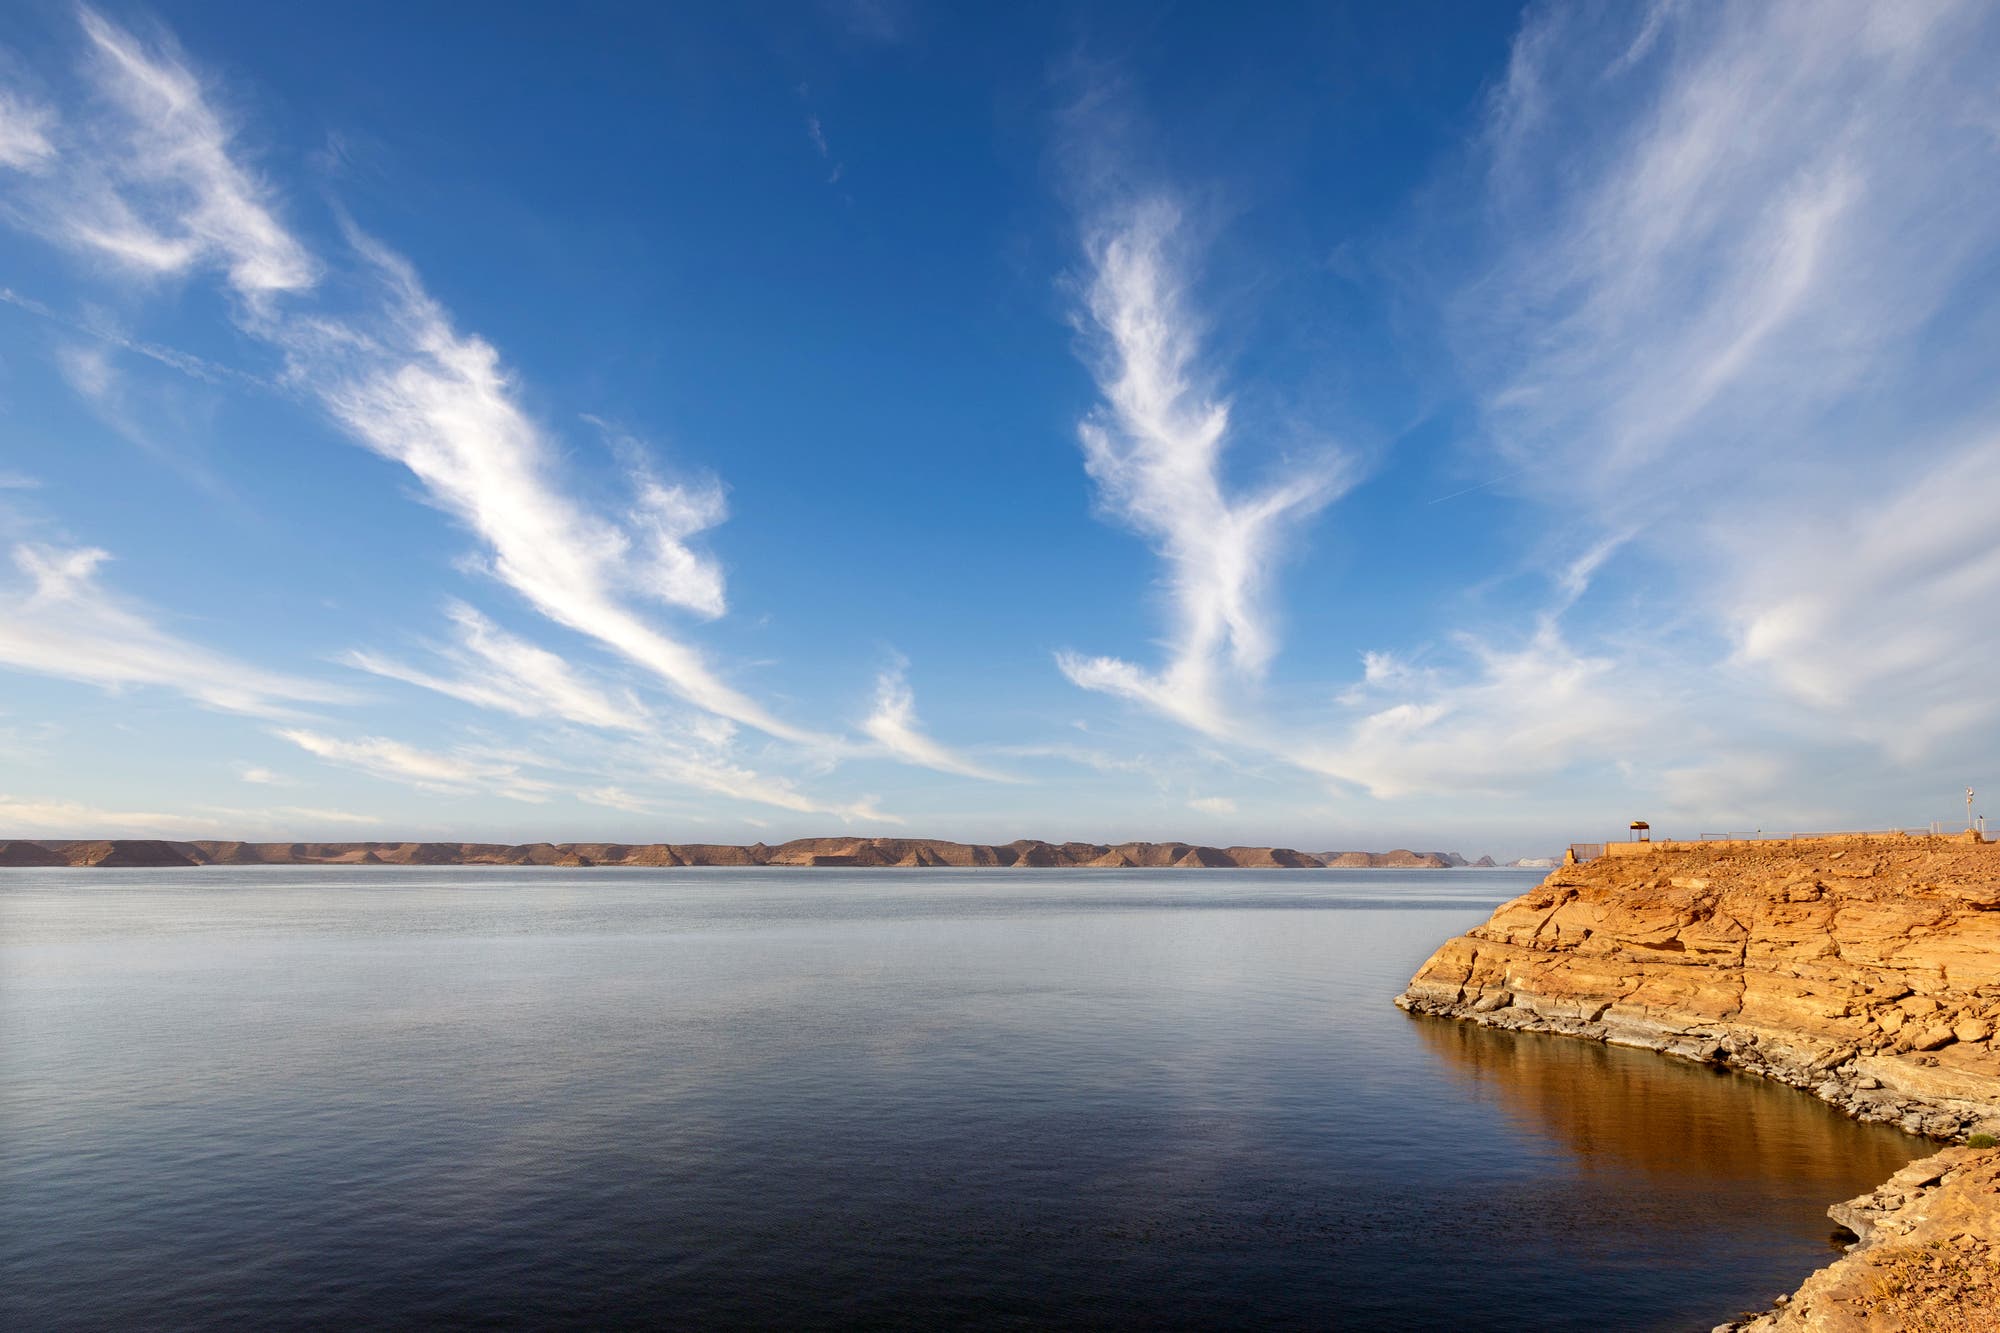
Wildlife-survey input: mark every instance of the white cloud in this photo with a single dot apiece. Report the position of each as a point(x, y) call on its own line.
point(1739, 317)
point(689, 761)
point(1732, 257)
point(662, 520)
point(1510, 715)
point(312, 814)
point(1213, 805)
point(87, 370)
point(895, 727)
point(1155, 450)
point(261, 776)
point(617, 798)
point(1876, 608)
point(164, 194)
point(151, 179)
point(24, 133)
point(416, 391)
point(427, 770)
point(500, 671)
point(28, 817)
point(58, 620)
point(56, 819)
point(684, 761)
point(159, 190)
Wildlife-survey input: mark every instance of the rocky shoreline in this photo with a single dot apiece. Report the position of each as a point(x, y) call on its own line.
point(1865, 970)
point(1926, 1256)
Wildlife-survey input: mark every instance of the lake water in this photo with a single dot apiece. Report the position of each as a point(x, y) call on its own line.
point(306, 1096)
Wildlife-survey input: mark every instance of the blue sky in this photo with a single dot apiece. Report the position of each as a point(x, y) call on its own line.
point(1325, 426)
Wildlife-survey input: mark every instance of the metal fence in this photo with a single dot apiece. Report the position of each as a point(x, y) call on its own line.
point(1936, 829)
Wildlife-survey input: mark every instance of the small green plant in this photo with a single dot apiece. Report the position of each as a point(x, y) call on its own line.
point(1980, 1141)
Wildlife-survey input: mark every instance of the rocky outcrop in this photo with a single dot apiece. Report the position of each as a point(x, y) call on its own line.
point(1926, 1256)
point(872, 852)
point(1864, 969)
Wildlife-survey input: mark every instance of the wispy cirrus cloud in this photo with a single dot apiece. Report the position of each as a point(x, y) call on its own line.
point(24, 133)
point(503, 672)
point(1155, 449)
point(895, 727)
point(692, 765)
point(33, 817)
point(618, 798)
point(58, 619)
point(449, 772)
point(1735, 316)
point(1498, 714)
point(1724, 308)
point(154, 188)
point(42, 817)
point(294, 815)
point(413, 389)
point(87, 370)
point(157, 187)
point(150, 180)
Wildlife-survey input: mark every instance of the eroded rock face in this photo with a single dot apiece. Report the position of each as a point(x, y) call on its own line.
point(1864, 969)
point(1927, 1257)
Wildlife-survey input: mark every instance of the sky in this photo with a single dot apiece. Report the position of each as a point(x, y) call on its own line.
point(1329, 426)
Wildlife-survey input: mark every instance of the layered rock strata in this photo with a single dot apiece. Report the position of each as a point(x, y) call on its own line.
point(875, 852)
point(1866, 969)
point(1927, 1256)
point(1863, 969)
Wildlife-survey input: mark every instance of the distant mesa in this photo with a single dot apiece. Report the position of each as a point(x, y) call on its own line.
point(1400, 859)
point(914, 853)
point(30, 854)
point(125, 852)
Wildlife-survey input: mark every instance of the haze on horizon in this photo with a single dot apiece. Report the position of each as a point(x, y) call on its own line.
point(1323, 427)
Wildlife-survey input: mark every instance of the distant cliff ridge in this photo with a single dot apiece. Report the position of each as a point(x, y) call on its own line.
point(879, 852)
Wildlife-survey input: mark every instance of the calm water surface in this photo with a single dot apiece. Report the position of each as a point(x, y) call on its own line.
point(326, 1097)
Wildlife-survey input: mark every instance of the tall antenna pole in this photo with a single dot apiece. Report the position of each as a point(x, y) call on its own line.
point(1968, 807)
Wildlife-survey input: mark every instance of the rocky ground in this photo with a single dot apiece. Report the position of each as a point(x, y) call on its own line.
point(1865, 970)
point(1927, 1259)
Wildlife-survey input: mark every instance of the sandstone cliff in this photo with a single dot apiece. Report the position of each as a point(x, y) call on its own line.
point(1864, 969)
point(878, 852)
point(1927, 1257)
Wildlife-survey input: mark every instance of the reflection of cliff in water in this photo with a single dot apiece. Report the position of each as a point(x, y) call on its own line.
point(1624, 1109)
